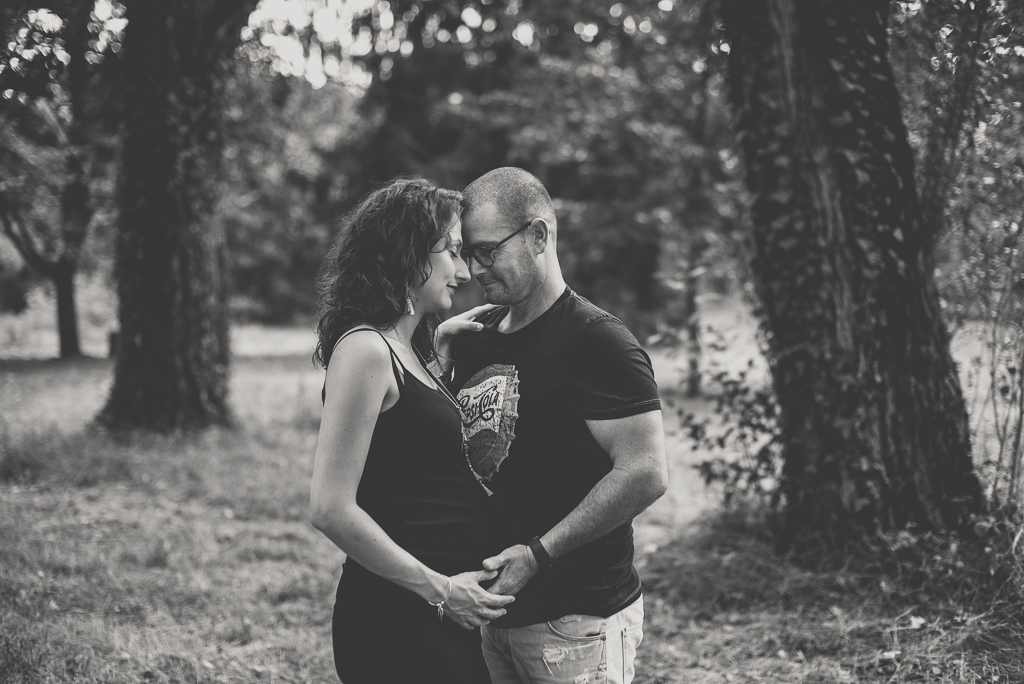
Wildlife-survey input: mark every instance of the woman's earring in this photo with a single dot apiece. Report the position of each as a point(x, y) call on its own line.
point(409, 308)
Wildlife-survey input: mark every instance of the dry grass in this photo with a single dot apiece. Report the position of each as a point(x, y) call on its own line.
point(724, 604)
point(189, 559)
point(161, 558)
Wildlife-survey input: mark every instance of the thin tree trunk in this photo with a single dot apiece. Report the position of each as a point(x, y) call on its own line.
point(172, 363)
point(695, 248)
point(67, 317)
point(874, 423)
point(697, 244)
point(698, 207)
point(76, 200)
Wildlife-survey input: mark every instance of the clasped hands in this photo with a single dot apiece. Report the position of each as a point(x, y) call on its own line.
point(470, 605)
point(515, 565)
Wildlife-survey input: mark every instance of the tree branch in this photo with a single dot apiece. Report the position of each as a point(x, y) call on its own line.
point(15, 232)
point(942, 156)
point(225, 16)
point(45, 109)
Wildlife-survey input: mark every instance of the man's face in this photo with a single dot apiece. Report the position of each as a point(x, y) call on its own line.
point(509, 278)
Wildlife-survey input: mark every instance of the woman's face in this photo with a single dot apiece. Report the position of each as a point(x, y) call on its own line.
point(447, 271)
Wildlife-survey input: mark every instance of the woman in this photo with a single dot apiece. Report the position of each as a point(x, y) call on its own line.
point(391, 484)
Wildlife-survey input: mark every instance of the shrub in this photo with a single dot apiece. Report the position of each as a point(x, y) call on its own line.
point(743, 436)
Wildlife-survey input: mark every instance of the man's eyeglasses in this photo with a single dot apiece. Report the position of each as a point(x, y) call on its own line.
point(485, 255)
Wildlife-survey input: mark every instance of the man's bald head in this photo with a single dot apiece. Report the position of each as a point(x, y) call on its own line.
point(517, 195)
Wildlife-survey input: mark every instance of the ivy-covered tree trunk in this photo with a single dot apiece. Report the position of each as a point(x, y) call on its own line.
point(874, 423)
point(172, 362)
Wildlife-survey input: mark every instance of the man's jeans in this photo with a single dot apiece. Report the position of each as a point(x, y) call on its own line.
point(575, 649)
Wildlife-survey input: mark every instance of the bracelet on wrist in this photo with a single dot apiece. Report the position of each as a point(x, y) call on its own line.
point(449, 374)
point(440, 604)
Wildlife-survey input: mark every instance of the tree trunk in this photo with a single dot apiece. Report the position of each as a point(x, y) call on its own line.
point(695, 256)
point(874, 423)
point(76, 197)
point(67, 317)
point(697, 206)
point(172, 363)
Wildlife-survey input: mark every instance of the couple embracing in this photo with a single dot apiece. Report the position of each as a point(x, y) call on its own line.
point(482, 474)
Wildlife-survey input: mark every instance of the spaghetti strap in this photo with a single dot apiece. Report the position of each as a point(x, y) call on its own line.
point(396, 363)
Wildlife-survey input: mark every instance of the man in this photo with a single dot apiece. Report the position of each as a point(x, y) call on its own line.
point(563, 422)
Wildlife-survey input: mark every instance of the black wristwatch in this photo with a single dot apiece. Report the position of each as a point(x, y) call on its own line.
point(544, 560)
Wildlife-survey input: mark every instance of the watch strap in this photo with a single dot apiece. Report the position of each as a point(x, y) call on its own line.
point(544, 560)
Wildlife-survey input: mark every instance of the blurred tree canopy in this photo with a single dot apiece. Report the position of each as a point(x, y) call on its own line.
point(960, 68)
point(618, 107)
point(286, 180)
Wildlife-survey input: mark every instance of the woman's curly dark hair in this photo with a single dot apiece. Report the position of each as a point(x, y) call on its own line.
point(381, 250)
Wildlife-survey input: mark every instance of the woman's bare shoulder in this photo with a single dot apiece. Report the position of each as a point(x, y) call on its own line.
point(362, 351)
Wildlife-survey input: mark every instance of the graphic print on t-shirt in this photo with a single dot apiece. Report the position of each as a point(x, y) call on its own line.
point(489, 401)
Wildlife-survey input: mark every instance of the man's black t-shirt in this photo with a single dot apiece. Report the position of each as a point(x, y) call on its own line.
point(526, 397)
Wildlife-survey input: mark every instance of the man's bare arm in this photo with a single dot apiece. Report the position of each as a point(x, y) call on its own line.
point(639, 476)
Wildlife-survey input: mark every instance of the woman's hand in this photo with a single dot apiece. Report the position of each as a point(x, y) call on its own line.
point(469, 605)
point(464, 322)
point(455, 326)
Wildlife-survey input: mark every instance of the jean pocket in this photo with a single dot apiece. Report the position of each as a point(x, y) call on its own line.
point(631, 638)
point(579, 627)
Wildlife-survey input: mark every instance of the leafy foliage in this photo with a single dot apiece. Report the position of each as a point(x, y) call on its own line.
point(961, 66)
point(286, 180)
point(616, 108)
point(748, 426)
point(742, 433)
point(58, 140)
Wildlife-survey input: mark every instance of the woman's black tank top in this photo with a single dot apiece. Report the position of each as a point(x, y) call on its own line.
point(417, 483)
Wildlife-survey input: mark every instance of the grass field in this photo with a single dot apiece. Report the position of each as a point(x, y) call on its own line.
point(190, 559)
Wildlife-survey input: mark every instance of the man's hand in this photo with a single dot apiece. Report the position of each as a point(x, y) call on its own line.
point(517, 566)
